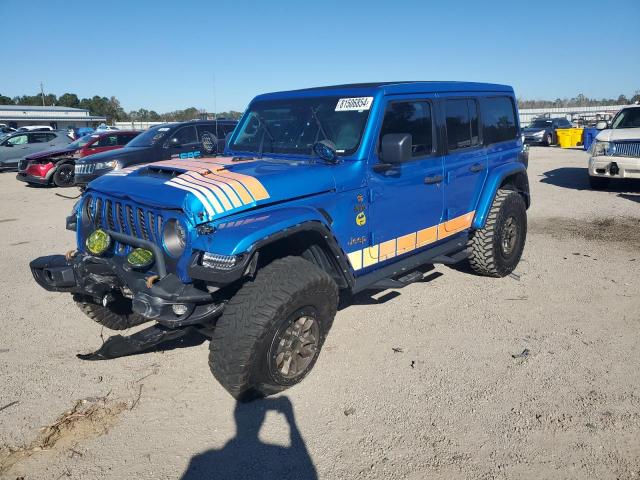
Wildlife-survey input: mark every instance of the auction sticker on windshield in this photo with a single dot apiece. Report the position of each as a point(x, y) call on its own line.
point(358, 103)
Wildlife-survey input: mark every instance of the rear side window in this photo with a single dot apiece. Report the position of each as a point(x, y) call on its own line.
point(211, 130)
point(498, 120)
point(462, 123)
point(41, 137)
point(107, 141)
point(413, 118)
point(124, 139)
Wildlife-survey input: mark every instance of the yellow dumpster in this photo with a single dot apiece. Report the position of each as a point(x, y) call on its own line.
point(564, 137)
point(576, 136)
point(569, 137)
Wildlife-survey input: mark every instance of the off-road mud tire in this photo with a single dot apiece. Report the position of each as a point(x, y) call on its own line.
point(486, 253)
point(241, 352)
point(118, 315)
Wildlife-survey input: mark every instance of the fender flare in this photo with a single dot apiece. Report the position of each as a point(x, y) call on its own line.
point(247, 235)
point(491, 186)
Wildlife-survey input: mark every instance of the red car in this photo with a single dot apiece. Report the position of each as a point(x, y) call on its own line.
point(57, 166)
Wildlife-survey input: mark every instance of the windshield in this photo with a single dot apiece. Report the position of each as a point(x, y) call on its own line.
point(150, 137)
point(540, 124)
point(292, 126)
point(82, 141)
point(627, 118)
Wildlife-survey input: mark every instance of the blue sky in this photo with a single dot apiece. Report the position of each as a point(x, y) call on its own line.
point(163, 55)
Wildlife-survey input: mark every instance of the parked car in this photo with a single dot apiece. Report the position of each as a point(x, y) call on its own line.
point(35, 128)
point(104, 127)
point(321, 192)
point(57, 166)
point(615, 153)
point(543, 130)
point(161, 142)
point(18, 145)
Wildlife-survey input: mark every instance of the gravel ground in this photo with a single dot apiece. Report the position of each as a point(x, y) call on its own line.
point(419, 383)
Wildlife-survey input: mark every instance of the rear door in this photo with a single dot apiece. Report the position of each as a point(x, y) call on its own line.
point(406, 199)
point(465, 164)
point(500, 129)
point(39, 141)
point(103, 144)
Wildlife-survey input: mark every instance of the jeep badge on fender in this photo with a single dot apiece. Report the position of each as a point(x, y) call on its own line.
point(319, 192)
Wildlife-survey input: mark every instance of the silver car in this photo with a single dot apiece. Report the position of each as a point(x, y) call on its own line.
point(18, 145)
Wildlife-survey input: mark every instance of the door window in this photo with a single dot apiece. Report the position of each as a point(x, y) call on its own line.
point(186, 135)
point(18, 140)
point(462, 123)
point(498, 120)
point(414, 118)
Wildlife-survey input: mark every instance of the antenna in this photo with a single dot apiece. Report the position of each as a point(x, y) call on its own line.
point(215, 102)
point(42, 93)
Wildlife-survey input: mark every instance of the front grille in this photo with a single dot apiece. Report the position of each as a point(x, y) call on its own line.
point(84, 168)
point(123, 217)
point(625, 149)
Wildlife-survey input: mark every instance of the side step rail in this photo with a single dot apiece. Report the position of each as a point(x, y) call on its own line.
point(406, 271)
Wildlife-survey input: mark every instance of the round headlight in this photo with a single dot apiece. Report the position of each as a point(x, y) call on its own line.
point(175, 237)
point(98, 242)
point(140, 257)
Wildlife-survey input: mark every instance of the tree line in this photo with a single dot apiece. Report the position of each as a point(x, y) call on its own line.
point(110, 107)
point(580, 101)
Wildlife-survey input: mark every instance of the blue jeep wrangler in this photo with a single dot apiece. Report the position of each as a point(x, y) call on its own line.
point(320, 192)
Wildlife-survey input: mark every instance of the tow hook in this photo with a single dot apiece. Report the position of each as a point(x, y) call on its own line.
point(151, 280)
point(614, 169)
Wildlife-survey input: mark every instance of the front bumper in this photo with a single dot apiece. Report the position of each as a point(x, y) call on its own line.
point(99, 278)
point(627, 167)
point(25, 177)
point(534, 139)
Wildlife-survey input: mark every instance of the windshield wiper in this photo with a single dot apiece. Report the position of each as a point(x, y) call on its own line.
point(265, 130)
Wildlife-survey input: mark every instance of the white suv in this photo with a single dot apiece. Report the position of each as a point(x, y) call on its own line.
point(616, 151)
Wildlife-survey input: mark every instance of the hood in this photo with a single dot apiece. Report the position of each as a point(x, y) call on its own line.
point(207, 189)
point(54, 152)
point(113, 154)
point(619, 134)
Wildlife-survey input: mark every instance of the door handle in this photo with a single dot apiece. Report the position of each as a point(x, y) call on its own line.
point(432, 180)
point(476, 167)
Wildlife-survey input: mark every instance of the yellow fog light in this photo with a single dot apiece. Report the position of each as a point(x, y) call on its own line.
point(98, 242)
point(140, 257)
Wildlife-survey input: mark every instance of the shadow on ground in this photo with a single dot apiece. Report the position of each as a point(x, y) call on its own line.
point(578, 179)
point(245, 456)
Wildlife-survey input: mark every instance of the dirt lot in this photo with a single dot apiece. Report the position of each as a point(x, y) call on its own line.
point(531, 376)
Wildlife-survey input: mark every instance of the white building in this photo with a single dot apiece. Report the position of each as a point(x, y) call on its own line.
point(16, 116)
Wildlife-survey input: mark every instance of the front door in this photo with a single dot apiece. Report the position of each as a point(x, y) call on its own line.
point(184, 144)
point(406, 199)
point(465, 165)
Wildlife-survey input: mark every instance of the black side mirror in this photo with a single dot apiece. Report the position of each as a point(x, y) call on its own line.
point(8, 144)
point(174, 143)
point(396, 148)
